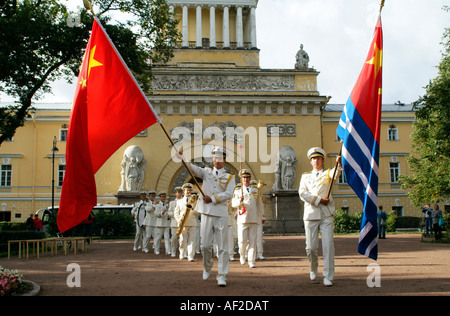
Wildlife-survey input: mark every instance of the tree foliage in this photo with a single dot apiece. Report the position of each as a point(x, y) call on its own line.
point(39, 46)
point(429, 160)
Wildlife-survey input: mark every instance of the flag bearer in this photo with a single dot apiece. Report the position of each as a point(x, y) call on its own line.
point(218, 186)
point(319, 214)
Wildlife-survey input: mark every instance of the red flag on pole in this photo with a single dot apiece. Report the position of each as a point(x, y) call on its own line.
point(109, 108)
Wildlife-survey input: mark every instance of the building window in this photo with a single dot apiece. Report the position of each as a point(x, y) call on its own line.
point(346, 210)
point(61, 173)
point(398, 210)
point(5, 175)
point(394, 170)
point(341, 178)
point(63, 135)
point(392, 133)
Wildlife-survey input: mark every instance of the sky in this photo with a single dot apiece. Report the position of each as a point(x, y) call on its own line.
point(336, 34)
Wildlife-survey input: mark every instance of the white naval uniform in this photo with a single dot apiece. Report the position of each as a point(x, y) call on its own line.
point(232, 230)
point(247, 222)
point(138, 211)
point(162, 227)
point(149, 223)
point(218, 185)
point(313, 186)
point(259, 238)
point(173, 227)
point(187, 236)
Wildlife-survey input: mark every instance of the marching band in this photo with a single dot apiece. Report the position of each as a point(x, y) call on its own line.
point(230, 217)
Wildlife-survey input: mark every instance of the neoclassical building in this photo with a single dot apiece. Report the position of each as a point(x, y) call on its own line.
point(212, 92)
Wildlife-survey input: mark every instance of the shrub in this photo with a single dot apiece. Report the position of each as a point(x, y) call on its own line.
point(344, 223)
point(391, 221)
point(17, 235)
point(408, 222)
point(10, 281)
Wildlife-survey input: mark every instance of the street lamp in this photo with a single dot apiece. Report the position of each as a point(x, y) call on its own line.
point(54, 149)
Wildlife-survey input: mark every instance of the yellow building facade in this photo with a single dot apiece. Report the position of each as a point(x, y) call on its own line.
point(212, 92)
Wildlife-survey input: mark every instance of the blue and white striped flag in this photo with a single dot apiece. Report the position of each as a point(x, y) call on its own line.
point(359, 128)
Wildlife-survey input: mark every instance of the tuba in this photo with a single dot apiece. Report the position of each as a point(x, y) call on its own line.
point(189, 207)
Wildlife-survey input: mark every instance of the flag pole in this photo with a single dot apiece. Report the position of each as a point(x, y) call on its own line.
point(381, 5)
point(87, 4)
point(184, 162)
point(88, 7)
point(334, 174)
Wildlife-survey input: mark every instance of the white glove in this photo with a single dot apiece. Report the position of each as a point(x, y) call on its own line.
point(180, 156)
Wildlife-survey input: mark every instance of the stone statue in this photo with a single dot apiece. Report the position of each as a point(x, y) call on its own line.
point(301, 58)
point(285, 169)
point(133, 169)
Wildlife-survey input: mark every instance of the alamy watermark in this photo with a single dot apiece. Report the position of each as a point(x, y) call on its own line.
point(374, 278)
point(74, 278)
point(196, 144)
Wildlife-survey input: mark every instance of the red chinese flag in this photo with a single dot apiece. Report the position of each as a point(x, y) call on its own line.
point(109, 108)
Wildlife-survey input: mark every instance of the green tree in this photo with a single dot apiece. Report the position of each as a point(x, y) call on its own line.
point(429, 160)
point(41, 44)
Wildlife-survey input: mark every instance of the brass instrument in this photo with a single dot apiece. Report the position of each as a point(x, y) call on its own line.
point(189, 207)
point(259, 186)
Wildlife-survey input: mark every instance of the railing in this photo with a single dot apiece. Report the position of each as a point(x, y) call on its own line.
point(219, 45)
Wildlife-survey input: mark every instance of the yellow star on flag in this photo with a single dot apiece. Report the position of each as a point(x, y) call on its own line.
point(83, 82)
point(377, 59)
point(92, 61)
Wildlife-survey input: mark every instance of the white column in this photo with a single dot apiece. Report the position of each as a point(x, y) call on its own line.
point(239, 28)
point(199, 26)
point(212, 26)
point(185, 30)
point(226, 26)
point(253, 26)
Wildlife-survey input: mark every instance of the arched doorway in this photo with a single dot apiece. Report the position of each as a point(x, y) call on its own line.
point(174, 174)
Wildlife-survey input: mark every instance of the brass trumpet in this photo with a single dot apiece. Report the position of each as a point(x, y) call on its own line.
point(259, 187)
point(260, 184)
point(189, 207)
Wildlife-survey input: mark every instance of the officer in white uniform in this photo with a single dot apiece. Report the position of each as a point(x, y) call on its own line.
point(162, 224)
point(249, 207)
point(173, 221)
point(319, 213)
point(218, 187)
point(138, 212)
point(187, 236)
point(150, 220)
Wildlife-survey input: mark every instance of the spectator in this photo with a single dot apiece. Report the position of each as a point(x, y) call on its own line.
point(427, 219)
point(88, 227)
point(437, 213)
point(38, 226)
point(30, 222)
point(382, 223)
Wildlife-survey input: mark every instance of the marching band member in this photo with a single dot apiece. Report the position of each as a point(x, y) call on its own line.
point(173, 221)
point(150, 220)
point(187, 236)
point(232, 225)
point(218, 186)
point(162, 224)
point(259, 236)
point(138, 212)
point(249, 207)
point(318, 214)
